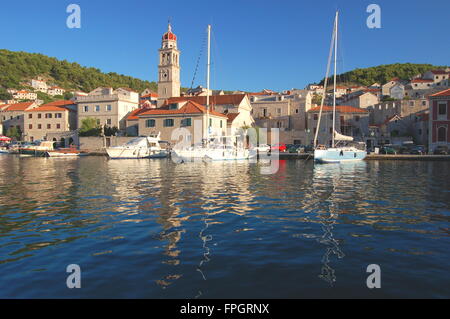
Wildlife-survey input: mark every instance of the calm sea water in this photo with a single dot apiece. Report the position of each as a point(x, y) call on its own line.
point(155, 229)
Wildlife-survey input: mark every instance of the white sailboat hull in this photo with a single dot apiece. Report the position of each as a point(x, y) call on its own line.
point(339, 155)
point(228, 155)
point(190, 154)
point(130, 153)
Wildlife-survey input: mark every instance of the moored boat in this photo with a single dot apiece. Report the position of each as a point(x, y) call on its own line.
point(228, 153)
point(139, 147)
point(65, 152)
point(335, 153)
point(39, 149)
point(339, 154)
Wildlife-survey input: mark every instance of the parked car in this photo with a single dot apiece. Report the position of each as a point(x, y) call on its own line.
point(441, 150)
point(418, 150)
point(294, 148)
point(388, 150)
point(262, 148)
point(281, 147)
point(309, 149)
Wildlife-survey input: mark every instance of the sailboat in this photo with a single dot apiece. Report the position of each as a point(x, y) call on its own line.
point(219, 147)
point(335, 153)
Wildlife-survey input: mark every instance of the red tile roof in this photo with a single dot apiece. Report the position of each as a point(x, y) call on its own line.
point(134, 114)
point(421, 81)
point(48, 108)
point(149, 95)
point(442, 93)
point(57, 106)
point(190, 107)
point(61, 103)
point(232, 116)
point(234, 99)
point(372, 90)
point(339, 108)
point(439, 72)
point(18, 106)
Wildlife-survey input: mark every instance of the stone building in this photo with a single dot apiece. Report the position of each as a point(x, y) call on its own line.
point(397, 91)
point(39, 85)
point(361, 99)
point(386, 88)
point(55, 90)
point(52, 121)
point(286, 112)
point(439, 78)
point(228, 104)
point(13, 115)
point(25, 95)
point(439, 123)
point(184, 114)
point(380, 112)
point(399, 120)
point(110, 107)
point(350, 121)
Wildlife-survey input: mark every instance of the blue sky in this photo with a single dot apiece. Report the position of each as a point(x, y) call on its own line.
point(256, 44)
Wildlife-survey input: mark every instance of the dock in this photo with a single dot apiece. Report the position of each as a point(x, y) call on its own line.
point(373, 157)
point(407, 157)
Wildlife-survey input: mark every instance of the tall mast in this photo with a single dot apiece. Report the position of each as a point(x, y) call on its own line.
point(208, 65)
point(335, 69)
point(325, 86)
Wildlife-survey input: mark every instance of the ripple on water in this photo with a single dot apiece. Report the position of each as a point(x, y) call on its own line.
point(152, 228)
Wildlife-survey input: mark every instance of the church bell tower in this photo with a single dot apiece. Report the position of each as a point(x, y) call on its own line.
point(169, 67)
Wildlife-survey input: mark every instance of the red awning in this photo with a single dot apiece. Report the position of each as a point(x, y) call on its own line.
point(4, 139)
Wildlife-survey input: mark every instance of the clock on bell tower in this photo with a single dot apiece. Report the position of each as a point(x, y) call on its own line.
point(169, 66)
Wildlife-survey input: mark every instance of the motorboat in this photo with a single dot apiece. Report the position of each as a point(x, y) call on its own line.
point(197, 151)
point(66, 152)
point(39, 148)
point(139, 147)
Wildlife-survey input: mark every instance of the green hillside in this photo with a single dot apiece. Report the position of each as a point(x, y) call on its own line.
point(18, 67)
point(383, 73)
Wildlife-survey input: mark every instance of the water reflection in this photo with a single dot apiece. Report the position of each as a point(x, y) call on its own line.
point(335, 178)
point(214, 229)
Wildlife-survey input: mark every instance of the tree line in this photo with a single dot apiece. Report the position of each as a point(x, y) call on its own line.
point(16, 68)
point(383, 73)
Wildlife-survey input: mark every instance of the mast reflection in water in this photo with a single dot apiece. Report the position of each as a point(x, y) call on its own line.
point(156, 229)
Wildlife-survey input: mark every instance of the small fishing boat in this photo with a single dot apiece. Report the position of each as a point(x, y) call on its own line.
point(66, 152)
point(139, 147)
